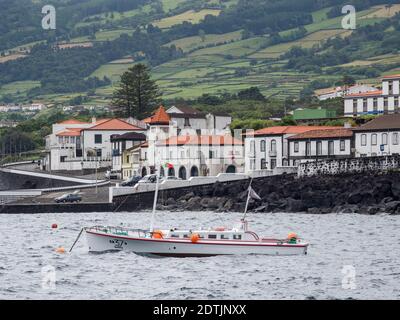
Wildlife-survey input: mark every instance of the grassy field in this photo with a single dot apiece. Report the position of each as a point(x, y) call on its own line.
point(169, 5)
point(18, 89)
point(189, 16)
point(192, 43)
point(218, 63)
point(112, 70)
point(309, 41)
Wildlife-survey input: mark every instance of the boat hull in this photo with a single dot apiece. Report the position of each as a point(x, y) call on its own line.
point(101, 242)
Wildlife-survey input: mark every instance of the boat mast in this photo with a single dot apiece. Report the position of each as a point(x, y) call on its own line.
point(156, 191)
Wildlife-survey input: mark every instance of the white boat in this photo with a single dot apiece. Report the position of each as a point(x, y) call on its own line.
point(190, 243)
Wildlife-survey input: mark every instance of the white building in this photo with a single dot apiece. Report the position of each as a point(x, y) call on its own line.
point(268, 148)
point(201, 155)
point(385, 101)
point(379, 137)
point(76, 145)
point(338, 92)
point(320, 145)
point(194, 143)
point(34, 107)
point(184, 117)
point(123, 142)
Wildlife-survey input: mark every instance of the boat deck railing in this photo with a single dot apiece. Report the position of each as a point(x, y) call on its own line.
point(121, 231)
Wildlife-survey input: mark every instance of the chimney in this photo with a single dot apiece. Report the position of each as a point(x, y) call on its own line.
point(347, 125)
point(94, 120)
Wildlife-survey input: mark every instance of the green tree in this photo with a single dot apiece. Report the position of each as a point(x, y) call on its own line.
point(137, 94)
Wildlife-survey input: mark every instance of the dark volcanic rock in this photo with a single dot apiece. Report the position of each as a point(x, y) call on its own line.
point(295, 205)
point(349, 193)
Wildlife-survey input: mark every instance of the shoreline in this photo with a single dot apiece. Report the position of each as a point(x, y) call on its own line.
point(361, 193)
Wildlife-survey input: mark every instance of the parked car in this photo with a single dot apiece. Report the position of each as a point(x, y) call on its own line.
point(151, 178)
point(70, 197)
point(112, 174)
point(131, 181)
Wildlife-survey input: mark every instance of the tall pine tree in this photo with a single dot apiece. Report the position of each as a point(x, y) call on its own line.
point(137, 94)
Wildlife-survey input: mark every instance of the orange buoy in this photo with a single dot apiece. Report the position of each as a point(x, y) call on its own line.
point(157, 234)
point(292, 235)
point(60, 250)
point(54, 226)
point(195, 237)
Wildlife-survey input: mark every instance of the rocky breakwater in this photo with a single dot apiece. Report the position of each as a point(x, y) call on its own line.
point(348, 193)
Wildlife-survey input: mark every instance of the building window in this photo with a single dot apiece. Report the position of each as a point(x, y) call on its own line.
point(384, 138)
point(273, 146)
point(363, 139)
point(375, 104)
point(390, 87)
point(385, 103)
point(98, 138)
point(262, 145)
point(187, 122)
point(395, 138)
point(98, 153)
point(308, 148)
point(342, 145)
point(296, 147)
point(319, 148)
point(374, 139)
point(63, 158)
point(263, 164)
point(365, 105)
point(355, 106)
point(331, 148)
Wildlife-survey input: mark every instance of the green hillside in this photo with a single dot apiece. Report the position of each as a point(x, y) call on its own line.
point(196, 47)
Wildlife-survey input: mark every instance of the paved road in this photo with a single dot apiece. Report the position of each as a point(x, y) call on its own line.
point(88, 195)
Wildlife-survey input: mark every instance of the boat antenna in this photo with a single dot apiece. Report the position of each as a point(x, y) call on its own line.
point(248, 199)
point(156, 191)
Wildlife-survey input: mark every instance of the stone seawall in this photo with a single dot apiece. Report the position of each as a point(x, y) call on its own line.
point(368, 193)
point(347, 193)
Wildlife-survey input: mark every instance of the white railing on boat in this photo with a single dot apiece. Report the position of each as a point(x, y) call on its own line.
point(120, 231)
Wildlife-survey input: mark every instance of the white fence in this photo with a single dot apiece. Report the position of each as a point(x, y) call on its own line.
point(172, 184)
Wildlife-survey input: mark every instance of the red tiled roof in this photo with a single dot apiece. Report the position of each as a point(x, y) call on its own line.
point(70, 132)
point(113, 124)
point(280, 130)
point(393, 76)
point(73, 121)
point(321, 134)
point(201, 140)
point(160, 117)
point(384, 122)
point(365, 94)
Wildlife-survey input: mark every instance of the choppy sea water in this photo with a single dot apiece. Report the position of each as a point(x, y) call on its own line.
point(369, 244)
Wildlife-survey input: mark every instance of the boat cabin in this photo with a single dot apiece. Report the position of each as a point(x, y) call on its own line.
point(210, 234)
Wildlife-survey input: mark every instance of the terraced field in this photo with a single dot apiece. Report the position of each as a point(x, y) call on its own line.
point(189, 16)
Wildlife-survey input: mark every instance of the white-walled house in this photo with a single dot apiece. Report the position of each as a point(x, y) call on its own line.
point(268, 148)
point(75, 145)
point(385, 101)
point(320, 145)
point(378, 137)
point(186, 117)
point(337, 92)
point(201, 155)
point(121, 143)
